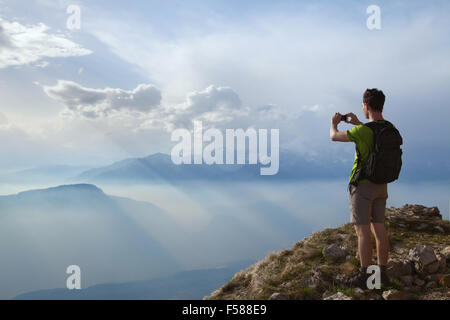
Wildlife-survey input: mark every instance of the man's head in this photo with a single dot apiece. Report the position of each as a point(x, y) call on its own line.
point(373, 101)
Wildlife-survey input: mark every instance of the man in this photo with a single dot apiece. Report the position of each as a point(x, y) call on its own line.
point(367, 199)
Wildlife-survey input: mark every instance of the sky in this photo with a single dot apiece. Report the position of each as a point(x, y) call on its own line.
point(134, 71)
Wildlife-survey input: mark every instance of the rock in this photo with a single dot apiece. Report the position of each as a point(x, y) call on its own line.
point(446, 253)
point(439, 229)
point(316, 279)
point(436, 295)
point(397, 268)
point(407, 280)
point(421, 212)
point(431, 285)
point(334, 252)
point(344, 236)
point(422, 256)
point(277, 296)
point(419, 282)
point(393, 295)
point(359, 290)
point(340, 278)
point(433, 267)
point(442, 262)
point(432, 212)
point(433, 277)
point(444, 280)
point(421, 226)
point(286, 284)
point(338, 296)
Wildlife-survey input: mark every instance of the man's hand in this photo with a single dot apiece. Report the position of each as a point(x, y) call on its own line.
point(353, 119)
point(335, 134)
point(336, 119)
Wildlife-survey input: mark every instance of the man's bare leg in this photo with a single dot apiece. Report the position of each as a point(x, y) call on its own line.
point(382, 241)
point(364, 244)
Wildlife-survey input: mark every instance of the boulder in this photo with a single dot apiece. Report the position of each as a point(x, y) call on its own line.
point(334, 253)
point(397, 268)
point(419, 282)
point(432, 213)
point(317, 278)
point(359, 290)
point(431, 285)
point(442, 262)
point(277, 296)
point(338, 296)
point(446, 253)
point(421, 212)
point(393, 295)
point(433, 267)
point(422, 257)
point(407, 280)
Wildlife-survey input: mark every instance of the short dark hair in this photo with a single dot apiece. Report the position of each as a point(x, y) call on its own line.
point(374, 98)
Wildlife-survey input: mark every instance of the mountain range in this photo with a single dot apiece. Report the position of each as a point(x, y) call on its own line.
point(44, 231)
point(116, 239)
point(160, 168)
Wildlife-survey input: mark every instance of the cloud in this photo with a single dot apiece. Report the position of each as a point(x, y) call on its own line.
point(4, 39)
point(3, 119)
point(307, 64)
point(42, 64)
point(114, 112)
point(24, 44)
point(220, 98)
point(95, 103)
point(293, 59)
point(214, 105)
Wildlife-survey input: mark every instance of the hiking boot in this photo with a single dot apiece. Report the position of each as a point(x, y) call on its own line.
point(359, 280)
point(385, 281)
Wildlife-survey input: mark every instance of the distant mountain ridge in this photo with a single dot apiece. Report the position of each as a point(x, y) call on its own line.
point(159, 167)
point(43, 174)
point(81, 187)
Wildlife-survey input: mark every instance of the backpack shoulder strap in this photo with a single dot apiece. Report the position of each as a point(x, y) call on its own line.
point(377, 128)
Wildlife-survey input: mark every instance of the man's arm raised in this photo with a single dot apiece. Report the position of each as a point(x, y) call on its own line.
point(335, 134)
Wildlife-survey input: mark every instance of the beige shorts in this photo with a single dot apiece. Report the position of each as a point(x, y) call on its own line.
point(368, 203)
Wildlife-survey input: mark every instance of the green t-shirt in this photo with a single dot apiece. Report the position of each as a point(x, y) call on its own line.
point(362, 136)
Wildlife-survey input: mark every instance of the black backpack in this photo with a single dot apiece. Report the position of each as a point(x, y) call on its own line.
point(385, 159)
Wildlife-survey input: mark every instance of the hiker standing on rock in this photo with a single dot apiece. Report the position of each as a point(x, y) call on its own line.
point(377, 162)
